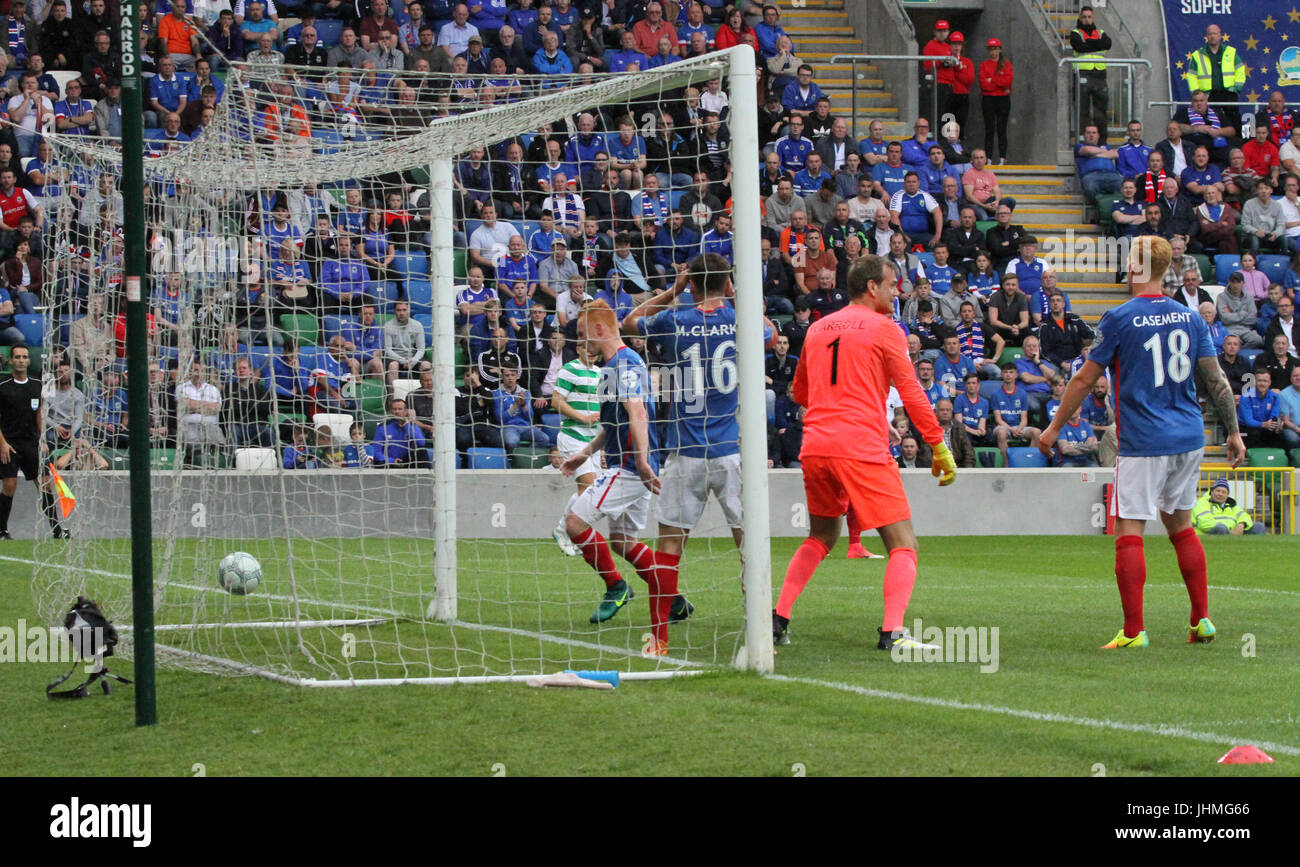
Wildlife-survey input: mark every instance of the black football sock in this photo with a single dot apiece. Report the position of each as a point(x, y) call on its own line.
point(48, 507)
point(6, 505)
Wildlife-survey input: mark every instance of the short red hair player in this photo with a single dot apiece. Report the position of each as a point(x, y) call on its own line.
point(849, 360)
point(1153, 346)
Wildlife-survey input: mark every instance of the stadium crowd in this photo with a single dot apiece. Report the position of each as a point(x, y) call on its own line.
point(609, 203)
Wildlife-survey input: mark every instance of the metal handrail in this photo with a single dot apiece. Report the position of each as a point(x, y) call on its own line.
point(1126, 63)
point(855, 59)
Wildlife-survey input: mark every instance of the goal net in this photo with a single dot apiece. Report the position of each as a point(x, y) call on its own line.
point(363, 339)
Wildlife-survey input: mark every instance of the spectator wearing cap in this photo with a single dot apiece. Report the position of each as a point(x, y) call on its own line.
point(996, 76)
point(555, 271)
point(477, 58)
point(585, 41)
point(1217, 514)
point(1236, 310)
point(1028, 267)
point(939, 47)
point(958, 79)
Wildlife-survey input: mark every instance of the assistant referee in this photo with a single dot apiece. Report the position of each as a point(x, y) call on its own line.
point(20, 442)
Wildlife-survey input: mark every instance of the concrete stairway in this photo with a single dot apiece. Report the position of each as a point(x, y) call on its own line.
point(821, 30)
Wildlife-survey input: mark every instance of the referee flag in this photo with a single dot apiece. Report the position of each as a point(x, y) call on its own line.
point(67, 502)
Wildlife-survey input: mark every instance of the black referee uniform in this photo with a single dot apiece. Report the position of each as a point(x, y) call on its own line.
point(20, 409)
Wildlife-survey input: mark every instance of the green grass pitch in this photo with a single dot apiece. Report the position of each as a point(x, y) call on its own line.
point(1056, 705)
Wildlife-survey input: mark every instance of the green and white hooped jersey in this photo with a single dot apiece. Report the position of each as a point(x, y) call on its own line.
point(577, 384)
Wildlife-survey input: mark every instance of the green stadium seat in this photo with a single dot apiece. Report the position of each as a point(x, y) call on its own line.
point(458, 268)
point(986, 456)
point(985, 225)
point(371, 393)
point(38, 355)
point(1207, 267)
point(303, 327)
point(530, 457)
point(162, 459)
point(1266, 458)
point(1011, 353)
point(118, 459)
point(1295, 457)
point(1104, 205)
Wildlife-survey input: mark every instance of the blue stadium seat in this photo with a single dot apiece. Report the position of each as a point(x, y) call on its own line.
point(309, 357)
point(411, 264)
point(385, 294)
point(675, 198)
point(329, 136)
point(1224, 265)
point(261, 358)
point(329, 31)
point(65, 328)
point(1025, 457)
point(1250, 355)
point(1274, 266)
point(170, 353)
point(988, 391)
point(925, 258)
point(332, 325)
point(425, 319)
point(32, 325)
point(486, 459)
point(420, 294)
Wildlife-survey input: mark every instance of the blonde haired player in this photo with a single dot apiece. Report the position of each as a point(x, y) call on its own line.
point(849, 359)
point(1152, 346)
point(621, 492)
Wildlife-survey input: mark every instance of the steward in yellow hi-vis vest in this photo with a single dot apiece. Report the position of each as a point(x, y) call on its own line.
point(1216, 69)
point(1090, 44)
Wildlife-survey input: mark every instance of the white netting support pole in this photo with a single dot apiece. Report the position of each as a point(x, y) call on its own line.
point(442, 226)
point(756, 548)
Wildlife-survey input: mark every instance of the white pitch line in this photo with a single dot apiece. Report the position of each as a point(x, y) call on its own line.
point(1172, 731)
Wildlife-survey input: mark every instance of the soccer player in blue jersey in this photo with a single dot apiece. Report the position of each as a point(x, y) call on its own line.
point(1152, 345)
point(622, 491)
point(703, 435)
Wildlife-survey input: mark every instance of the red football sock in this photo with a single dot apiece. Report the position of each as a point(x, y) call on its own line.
point(595, 550)
point(1191, 562)
point(666, 572)
point(900, 577)
point(855, 529)
point(1130, 575)
point(800, 571)
point(643, 560)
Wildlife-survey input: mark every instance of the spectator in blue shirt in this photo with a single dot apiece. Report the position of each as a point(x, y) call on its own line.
point(1077, 444)
point(346, 279)
point(512, 409)
point(767, 31)
point(1133, 154)
point(719, 239)
point(1095, 164)
point(1011, 413)
point(550, 60)
point(793, 148)
point(168, 93)
point(1200, 175)
point(1259, 414)
point(808, 181)
point(399, 442)
point(801, 95)
point(299, 455)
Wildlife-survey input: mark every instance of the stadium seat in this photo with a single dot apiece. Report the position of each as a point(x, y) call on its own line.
point(411, 264)
point(336, 424)
point(1025, 457)
point(1250, 355)
point(162, 459)
point(1295, 457)
point(1104, 205)
point(256, 459)
point(458, 259)
point(32, 325)
point(425, 319)
point(332, 325)
point(925, 258)
point(1207, 269)
point(1274, 266)
point(530, 457)
point(1224, 265)
point(118, 459)
point(311, 357)
point(1266, 458)
point(486, 459)
point(420, 294)
point(371, 394)
point(303, 327)
point(986, 456)
point(1011, 353)
point(65, 328)
point(261, 358)
point(328, 31)
point(403, 387)
point(988, 391)
point(38, 356)
point(985, 225)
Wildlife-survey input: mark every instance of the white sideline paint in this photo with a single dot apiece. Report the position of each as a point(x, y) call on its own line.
point(1172, 731)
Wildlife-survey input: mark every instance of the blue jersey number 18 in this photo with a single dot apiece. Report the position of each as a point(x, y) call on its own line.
point(1180, 362)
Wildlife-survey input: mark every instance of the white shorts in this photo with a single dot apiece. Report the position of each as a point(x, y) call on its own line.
point(618, 495)
point(686, 485)
point(570, 446)
point(1147, 486)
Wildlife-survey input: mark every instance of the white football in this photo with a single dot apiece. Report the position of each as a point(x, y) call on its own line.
point(239, 573)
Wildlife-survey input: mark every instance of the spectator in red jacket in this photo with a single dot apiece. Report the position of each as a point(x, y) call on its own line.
point(996, 76)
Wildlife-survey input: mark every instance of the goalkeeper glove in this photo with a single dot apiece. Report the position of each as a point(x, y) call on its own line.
point(943, 467)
